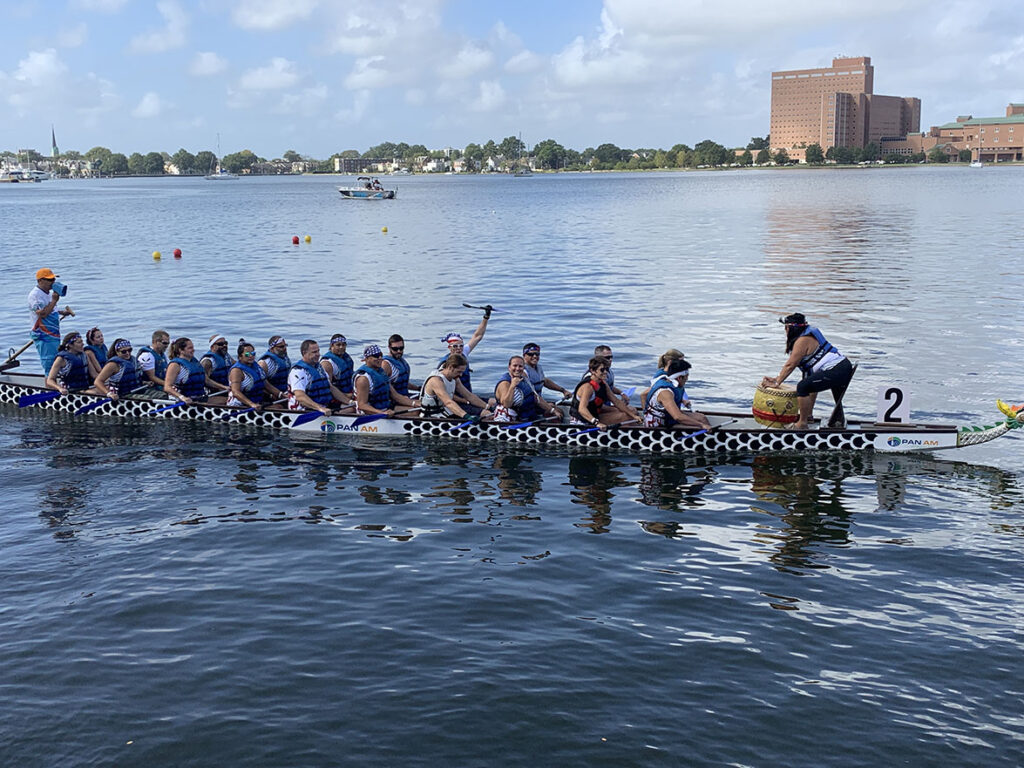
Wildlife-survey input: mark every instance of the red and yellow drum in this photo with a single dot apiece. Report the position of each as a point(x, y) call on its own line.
point(775, 406)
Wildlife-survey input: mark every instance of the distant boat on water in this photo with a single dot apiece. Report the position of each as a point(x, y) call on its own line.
point(217, 173)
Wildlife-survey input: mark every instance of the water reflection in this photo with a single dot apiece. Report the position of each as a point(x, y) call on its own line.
point(592, 479)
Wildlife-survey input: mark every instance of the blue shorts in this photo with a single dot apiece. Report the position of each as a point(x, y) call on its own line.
point(47, 348)
point(837, 378)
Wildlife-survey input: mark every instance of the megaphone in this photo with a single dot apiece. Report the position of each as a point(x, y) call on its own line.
point(59, 288)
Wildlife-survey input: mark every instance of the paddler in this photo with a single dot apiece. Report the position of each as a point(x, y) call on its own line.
point(517, 399)
point(120, 376)
point(217, 360)
point(152, 359)
point(275, 362)
point(247, 380)
point(456, 345)
point(374, 393)
point(666, 403)
point(534, 372)
point(443, 386)
point(95, 352)
point(593, 402)
point(396, 366)
point(70, 369)
point(42, 304)
point(186, 379)
point(308, 385)
point(338, 365)
point(822, 365)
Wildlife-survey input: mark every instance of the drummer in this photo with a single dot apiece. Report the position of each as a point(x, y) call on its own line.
point(822, 365)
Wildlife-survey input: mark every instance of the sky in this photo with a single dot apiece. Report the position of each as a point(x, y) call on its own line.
point(323, 76)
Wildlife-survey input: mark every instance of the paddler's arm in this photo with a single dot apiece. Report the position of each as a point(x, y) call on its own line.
point(362, 386)
point(433, 387)
point(400, 399)
point(682, 417)
point(478, 334)
point(469, 397)
point(340, 396)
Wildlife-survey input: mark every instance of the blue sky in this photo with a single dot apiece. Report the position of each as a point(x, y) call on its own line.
point(321, 76)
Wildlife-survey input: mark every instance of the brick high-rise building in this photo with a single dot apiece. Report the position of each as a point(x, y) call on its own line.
point(836, 107)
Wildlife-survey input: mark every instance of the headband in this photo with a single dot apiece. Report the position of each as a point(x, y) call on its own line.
point(448, 338)
point(122, 344)
point(338, 339)
point(276, 341)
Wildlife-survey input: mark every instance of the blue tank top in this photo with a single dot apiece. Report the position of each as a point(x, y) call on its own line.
point(252, 380)
point(343, 370)
point(194, 386)
point(220, 368)
point(319, 387)
point(277, 369)
point(160, 359)
point(527, 408)
point(127, 375)
point(399, 374)
point(380, 387)
point(100, 352)
point(77, 377)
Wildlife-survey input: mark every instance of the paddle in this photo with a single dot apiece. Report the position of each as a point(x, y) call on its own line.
point(366, 418)
point(611, 426)
point(522, 424)
point(39, 397)
point(708, 429)
point(472, 420)
point(227, 416)
point(488, 308)
point(168, 407)
point(104, 401)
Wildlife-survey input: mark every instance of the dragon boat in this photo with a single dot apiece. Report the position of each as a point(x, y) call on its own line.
point(729, 432)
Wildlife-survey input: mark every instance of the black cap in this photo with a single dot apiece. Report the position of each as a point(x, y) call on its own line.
point(795, 319)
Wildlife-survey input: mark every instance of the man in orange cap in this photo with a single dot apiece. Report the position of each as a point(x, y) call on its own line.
point(42, 303)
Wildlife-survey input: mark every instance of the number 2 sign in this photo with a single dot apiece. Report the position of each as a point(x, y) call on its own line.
point(893, 405)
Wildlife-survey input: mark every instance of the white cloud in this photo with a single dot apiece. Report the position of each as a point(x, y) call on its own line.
point(524, 63)
point(171, 36)
point(271, 14)
point(73, 37)
point(360, 104)
point(280, 73)
point(470, 60)
point(150, 106)
point(206, 63)
point(42, 79)
point(371, 73)
point(490, 97)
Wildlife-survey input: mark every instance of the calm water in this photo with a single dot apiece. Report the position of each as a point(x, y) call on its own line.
point(181, 594)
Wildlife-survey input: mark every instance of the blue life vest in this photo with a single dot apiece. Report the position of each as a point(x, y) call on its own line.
point(127, 375)
point(380, 387)
point(253, 378)
point(808, 362)
point(279, 376)
point(161, 361)
point(343, 370)
point(319, 387)
point(77, 378)
point(465, 378)
point(527, 409)
point(651, 402)
point(193, 387)
point(399, 374)
point(100, 352)
point(221, 365)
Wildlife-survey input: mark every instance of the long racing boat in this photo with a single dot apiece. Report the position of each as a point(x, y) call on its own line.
point(729, 432)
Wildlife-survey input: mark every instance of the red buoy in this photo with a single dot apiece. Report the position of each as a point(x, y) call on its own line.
point(177, 253)
point(295, 240)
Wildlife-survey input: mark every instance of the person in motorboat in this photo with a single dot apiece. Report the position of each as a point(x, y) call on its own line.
point(535, 373)
point(152, 359)
point(593, 402)
point(666, 403)
point(120, 376)
point(396, 366)
point(516, 398)
point(308, 385)
point(374, 393)
point(377, 185)
point(70, 369)
point(186, 380)
point(337, 363)
point(275, 362)
point(443, 392)
point(456, 345)
point(248, 382)
point(822, 365)
point(95, 352)
point(217, 360)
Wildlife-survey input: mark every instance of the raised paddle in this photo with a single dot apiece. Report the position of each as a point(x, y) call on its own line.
point(104, 401)
point(39, 397)
point(488, 308)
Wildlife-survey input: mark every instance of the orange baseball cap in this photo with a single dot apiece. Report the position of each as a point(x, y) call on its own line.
point(46, 274)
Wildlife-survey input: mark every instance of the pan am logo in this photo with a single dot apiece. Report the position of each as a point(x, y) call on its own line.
point(328, 426)
point(894, 441)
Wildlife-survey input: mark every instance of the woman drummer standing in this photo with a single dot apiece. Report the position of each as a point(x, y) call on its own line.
point(822, 365)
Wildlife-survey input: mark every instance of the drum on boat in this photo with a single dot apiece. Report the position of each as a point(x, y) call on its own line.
point(775, 406)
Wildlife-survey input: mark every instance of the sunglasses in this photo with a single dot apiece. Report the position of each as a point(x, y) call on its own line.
point(248, 354)
point(126, 349)
point(535, 353)
point(398, 349)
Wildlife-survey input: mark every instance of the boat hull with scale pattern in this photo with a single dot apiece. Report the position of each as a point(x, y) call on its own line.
point(730, 432)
